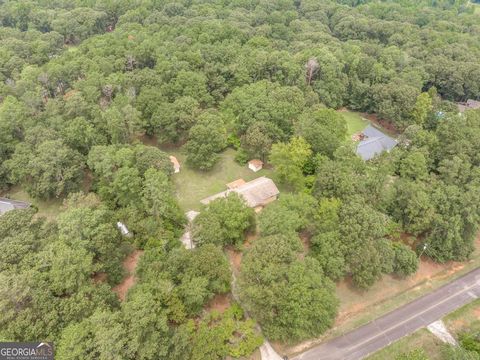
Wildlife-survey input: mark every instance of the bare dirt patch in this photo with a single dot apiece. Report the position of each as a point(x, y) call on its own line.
point(149, 140)
point(129, 264)
point(220, 303)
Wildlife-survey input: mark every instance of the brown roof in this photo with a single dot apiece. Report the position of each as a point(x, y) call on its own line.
point(235, 184)
point(255, 193)
point(256, 162)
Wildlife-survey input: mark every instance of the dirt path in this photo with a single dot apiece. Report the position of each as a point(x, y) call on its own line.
point(129, 264)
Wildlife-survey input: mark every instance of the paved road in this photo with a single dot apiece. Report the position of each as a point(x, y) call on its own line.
point(405, 320)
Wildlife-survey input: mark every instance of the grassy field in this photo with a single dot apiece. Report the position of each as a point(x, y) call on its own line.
point(48, 209)
point(467, 317)
point(193, 185)
point(421, 339)
point(355, 122)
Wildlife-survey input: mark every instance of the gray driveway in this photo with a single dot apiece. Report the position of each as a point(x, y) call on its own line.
point(403, 321)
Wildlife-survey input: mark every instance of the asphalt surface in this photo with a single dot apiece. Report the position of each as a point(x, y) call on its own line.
point(403, 321)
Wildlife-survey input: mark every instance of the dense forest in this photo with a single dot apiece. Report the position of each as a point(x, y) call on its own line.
point(84, 81)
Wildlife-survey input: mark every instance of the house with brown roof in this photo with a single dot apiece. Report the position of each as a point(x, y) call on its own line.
point(256, 193)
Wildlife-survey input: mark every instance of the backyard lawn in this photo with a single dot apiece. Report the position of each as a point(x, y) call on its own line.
point(355, 122)
point(193, 185)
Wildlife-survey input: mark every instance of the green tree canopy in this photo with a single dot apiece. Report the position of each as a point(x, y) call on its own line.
point(223, 222)
point(290, 298)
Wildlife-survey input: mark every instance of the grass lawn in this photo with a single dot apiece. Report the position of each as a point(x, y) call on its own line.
point(355, 122)
point(476, 9)
point(48, 209)
point(193, 185)
point(467, 317)
point(421, 339)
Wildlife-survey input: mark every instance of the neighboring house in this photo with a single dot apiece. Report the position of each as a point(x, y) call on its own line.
point(9, 204)
point(469, 105)
point(256, 193)
point(176, 164)
point(374, 142)
point(255, 165)
point(186, 238)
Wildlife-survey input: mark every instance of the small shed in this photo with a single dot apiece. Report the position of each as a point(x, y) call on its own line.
point(176, 164)
point(255, 165)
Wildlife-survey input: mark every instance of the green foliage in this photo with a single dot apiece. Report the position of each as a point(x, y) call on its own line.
point(363, 231)
point(459, 353)
point(223, 222)
point(406, 260)
point(417, 354)
point(289, 160)
point(325, 130)
point(46, 276)
point(206, 138)
point(422, 109)
point(219, 335)
point(290, 298)
point(326, 245)
point(470, 341)
point(158, 198)
point(412, 206)
point(50, 169)
point(198, 276)
point(271, 103)
point(290, 213)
